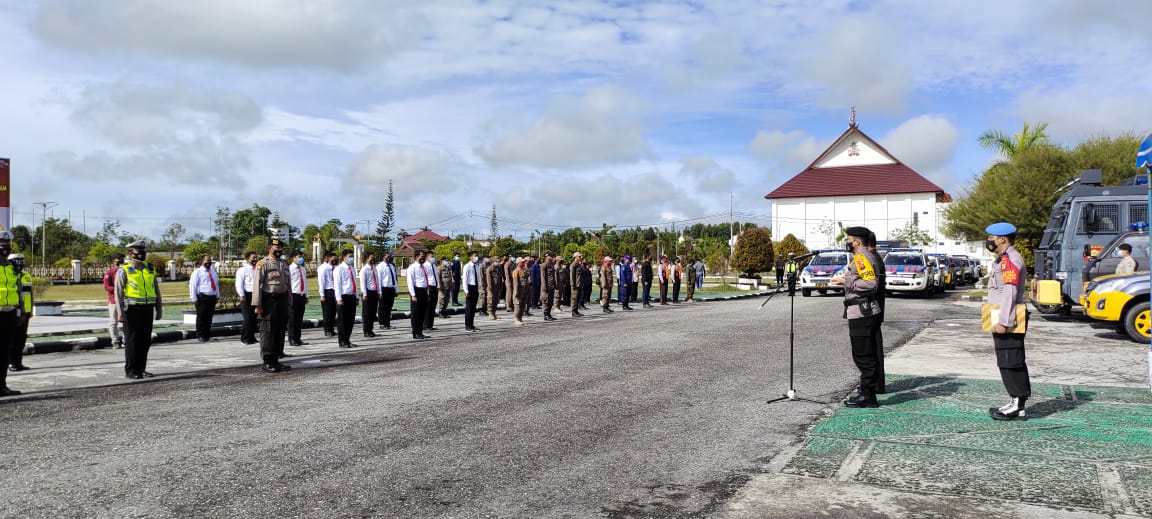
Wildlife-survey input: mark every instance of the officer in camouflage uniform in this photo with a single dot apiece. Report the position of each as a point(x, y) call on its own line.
point(862, 309)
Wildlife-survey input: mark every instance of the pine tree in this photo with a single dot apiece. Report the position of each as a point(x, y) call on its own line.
point(495, 228)
point(387, 221)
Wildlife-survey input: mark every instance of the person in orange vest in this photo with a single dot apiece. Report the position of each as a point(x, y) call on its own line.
point(677, 273)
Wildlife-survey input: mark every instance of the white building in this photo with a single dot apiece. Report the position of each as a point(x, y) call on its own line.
point(858, 182)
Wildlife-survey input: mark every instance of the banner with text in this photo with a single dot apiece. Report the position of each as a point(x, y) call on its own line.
point(5, 195)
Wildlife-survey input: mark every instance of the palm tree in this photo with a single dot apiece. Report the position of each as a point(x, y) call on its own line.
point(1010, 146)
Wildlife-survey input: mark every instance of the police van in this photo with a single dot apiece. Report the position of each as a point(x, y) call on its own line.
point(825, 265)
point(909, 271)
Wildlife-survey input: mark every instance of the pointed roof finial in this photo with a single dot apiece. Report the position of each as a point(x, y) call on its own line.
point(852, 118)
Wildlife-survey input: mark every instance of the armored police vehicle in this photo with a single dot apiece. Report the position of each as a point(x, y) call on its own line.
point(1084, 219)
point(825, 265)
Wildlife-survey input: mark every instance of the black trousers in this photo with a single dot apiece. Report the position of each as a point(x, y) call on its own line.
point(16, 353)
point(137, 337)
point(633, 291)
point(205, 309)
point(456, 292)
point(779, 276)
point(347, 312)
point(471, 297)
point(7, 335)
point(328, 308)
point(676, 291)
point(296, 320)
point(368, 313)
point(1010, 359)
point(273, 325)
point(878, 340)
point(587, 292)
point(387, 299)
point(430, 307)
point(248, 328)
point(862, 333)
point(565, 295)
point(416, 313)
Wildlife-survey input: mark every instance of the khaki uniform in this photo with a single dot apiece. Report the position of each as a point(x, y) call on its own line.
point(606, 282)
point(548, 286)
point(495, 281)
point(509, 286)
point(563, 286)
point(521, 288)
point(577, 282)
point(691, 279)
point(444, 284)
point(271, 293)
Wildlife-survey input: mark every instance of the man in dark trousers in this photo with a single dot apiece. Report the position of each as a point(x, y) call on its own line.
point(548, 286)
point(780, 264)
point(204, 289)
point(534, 268)
point(418, 290)
point(138, 294)
point(471, 283)
point(16, 352)
point(346, 292)
point(369, 294)
point(456, 279)
point(577, 274)
point(327, 293)
point(389, 281)
point(272, 299)
point(113, 309)
point(244, 290)
point(299, 275)
point(646, 281)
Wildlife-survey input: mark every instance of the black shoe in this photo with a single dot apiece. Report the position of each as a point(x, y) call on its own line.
point(386, 327)
point(997, 415)
point(8, 392)
point(607, 310)
point(370, 334)
point(268, 367)
point(430, 328)
point(629, 308)
point(203, 339)
point(283, 367)
point(284, 355)
point(329, 334)
point(17, 367)
point(349, 345)
point(867, 401)
point(575, 313)
point(663, 304)
point(133, 375)
point(418, 336)
point(119, 345)
point(470, 329)
point(146, 374)
point(647, 306)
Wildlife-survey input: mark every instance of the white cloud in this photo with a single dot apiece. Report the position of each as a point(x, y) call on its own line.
point(707, 175)
point(924, 143)
point(203, 161)
point(602, 127)
point(786, 151)
point(415, 173)
point(858, 61)
point(1077, 113)
point(339, 34)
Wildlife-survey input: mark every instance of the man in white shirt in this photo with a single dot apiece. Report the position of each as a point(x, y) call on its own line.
point(418, 291)
point(244, 290)
point(433, 292)
point(369, 293)
point(471, 284)
point(386, 272)
point(346, 289)
point(299, 281)
point(327, 293)
point(204, 289)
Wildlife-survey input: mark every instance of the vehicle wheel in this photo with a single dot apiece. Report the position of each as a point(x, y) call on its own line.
point(805, 292)
point(822, 292)
point(1049, 309)
point(1137, 324)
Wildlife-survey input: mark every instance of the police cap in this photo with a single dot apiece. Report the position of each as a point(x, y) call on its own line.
point(857, 231)
point(1000, 229)
point(138, 244)
point(275, 242)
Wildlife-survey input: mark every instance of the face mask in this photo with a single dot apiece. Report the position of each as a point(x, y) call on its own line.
point(348, 261)
point(457, 258)
point(139, 256)
point(278, 254)
point(848, 247)
point(990, 245)
point(299, 261)
point(207, 264)
point(252, 262)
point(475, 259)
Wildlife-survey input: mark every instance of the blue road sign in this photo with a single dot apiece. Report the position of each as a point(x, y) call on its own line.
point(1144, 156)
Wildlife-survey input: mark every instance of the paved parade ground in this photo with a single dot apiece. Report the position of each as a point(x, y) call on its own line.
point(652, 413)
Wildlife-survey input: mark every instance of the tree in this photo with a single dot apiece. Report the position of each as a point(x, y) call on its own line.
point(257, 244)
point(193, 251)
point(382, 237)
point(171, 236)
point(790, 244)
point(1010, 146)
point(62, 242)
point(101, 253)
point(495, 231)
point(248, 223)
point(451, 248)
point(913, 234)
point(754, 252)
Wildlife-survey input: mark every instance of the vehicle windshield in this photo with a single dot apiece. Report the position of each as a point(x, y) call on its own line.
point(830, 259)
point(904, 259)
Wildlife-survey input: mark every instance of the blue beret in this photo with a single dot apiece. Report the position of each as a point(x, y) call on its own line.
point(1000, 229)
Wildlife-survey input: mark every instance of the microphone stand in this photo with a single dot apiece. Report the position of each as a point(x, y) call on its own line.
point(790, 396)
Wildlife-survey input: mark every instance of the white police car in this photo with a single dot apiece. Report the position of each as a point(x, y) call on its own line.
point(909, 271)
point(825, 265)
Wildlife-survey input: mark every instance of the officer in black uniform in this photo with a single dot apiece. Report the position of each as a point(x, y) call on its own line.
point(138, 294)
point(272, 301)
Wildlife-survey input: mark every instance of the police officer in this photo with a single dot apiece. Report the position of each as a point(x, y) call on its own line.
point(388, 285)
point(606, 284)
point(646, 281)
point(446, 282)
point(522, 288)
point(780, 265)
point(369, 294)
point(494, 277)
point(346, 291)
point(862, 309)
point(327, 292)
point(11, 309)
point(299, 298)
point(690, 277)
point(271, 300)
point(548, 286)
point(509, 284)
point(204, 289)
point(244, 290)
point(625, 281)
point(1006, 281)
point(563, 284)
point(138, 294)
point(16, 356)
point(419, 290)
point(578, 269)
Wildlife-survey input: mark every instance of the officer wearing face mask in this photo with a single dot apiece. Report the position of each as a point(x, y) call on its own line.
point(346, 291)
point(138, 294)
point(244, 290)
point(204, 289)
point(1006, 281)
point(11, 309)
point(16, 355)
point(299, 298)
point(862, 309)
point(272, 300)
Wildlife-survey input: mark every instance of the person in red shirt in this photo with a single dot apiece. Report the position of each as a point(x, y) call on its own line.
point(113, 309)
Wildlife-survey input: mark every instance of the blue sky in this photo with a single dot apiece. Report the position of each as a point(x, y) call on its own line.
point(572, 113)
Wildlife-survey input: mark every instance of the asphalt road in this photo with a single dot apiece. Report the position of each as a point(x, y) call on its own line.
point(652, 413)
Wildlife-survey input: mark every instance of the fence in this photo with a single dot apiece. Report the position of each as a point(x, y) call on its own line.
point(79, 272)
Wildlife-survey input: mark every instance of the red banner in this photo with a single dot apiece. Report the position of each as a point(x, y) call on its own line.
point(5, 194)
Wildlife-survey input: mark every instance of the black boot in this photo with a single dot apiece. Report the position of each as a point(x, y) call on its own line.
point(864, 399)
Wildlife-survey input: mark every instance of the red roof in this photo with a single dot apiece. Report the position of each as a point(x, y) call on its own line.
point(893, 178)
point(845, 181)
point(424, 235)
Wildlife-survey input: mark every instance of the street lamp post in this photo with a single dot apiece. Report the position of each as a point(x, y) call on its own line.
point(44, 206)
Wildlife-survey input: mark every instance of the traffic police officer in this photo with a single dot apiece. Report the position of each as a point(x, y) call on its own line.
point(1006, 280)
point(272, 300)
point(138, 294)
point(11, 308)
point(16, 356)
point(862, 308)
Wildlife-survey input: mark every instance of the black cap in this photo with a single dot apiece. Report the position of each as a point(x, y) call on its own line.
point(276, 242)
point(858, 231)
